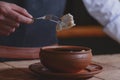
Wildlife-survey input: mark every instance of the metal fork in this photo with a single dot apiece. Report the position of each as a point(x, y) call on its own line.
point(50, 18)
point(53, 18)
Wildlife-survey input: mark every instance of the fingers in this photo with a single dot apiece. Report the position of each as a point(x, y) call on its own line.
point(6, 30)
point(7, 26)
point(11, 16)
point(18, 17)
point(15, 12)
point(21, 14)
point(9, 22)
point(21, 10)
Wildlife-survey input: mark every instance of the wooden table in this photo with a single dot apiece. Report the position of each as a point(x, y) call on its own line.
point(18, 70)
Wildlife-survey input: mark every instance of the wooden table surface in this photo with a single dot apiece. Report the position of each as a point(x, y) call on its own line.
point(18, 70)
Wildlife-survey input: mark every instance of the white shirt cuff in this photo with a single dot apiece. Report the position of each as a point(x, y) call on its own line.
point(113, 29)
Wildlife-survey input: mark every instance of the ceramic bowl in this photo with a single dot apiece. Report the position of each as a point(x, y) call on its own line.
point(65, 58)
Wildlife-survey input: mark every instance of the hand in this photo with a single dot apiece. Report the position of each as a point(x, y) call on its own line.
point(11, 16)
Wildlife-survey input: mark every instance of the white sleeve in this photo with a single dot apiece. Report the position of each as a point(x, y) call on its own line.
point(106, 12)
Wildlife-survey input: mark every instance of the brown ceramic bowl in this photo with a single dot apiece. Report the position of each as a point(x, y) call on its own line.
point(65, 58)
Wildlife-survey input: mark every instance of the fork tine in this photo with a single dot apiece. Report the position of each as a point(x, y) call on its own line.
point(53, 18)
point(50, 17)
point(43, 17)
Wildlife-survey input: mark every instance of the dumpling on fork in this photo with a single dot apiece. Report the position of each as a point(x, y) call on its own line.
point(67, 22)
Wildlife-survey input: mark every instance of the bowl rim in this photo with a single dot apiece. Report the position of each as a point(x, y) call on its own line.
point(54, 48)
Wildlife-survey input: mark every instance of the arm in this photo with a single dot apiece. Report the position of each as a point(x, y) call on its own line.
point(11, 16)
point(106, 12)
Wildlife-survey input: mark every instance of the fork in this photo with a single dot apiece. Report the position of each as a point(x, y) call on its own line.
point(53, 18)
point(50, 18)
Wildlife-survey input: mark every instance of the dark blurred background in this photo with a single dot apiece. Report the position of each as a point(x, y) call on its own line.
point(100, 44)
